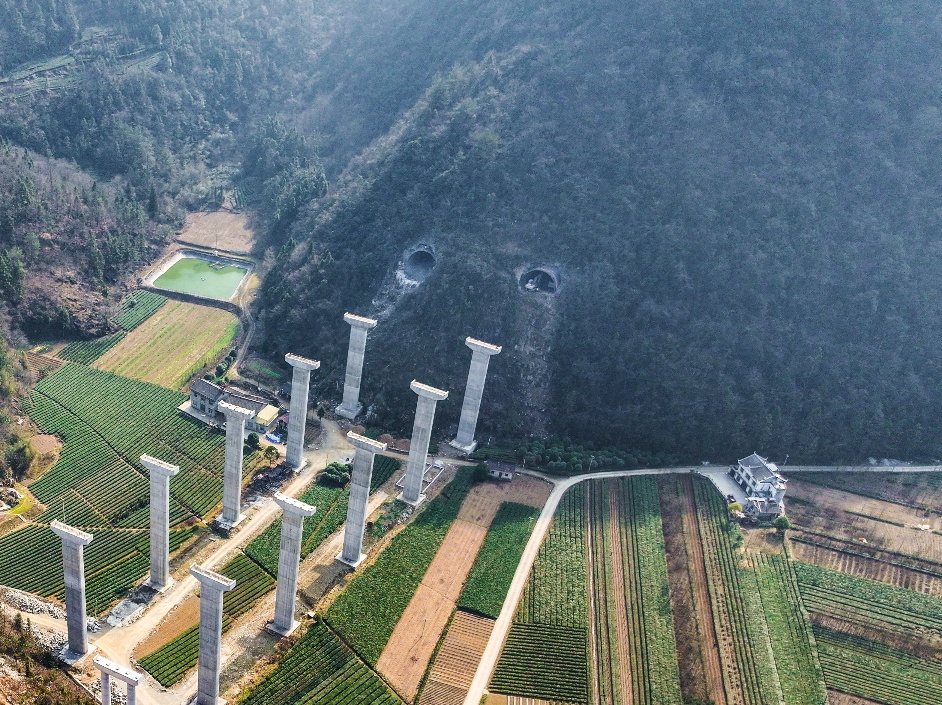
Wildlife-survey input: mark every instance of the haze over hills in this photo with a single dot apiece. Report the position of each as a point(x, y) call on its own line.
point(739, 199)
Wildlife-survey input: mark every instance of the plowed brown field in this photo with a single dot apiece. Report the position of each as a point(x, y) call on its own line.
point(457, 660)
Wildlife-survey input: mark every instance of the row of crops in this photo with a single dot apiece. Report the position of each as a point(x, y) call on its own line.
point(546, 651)
point(331, 506)
point(864, 667)
point(496, 562)
point(556, 590)
point(321, 669)
point(737, 607)
point(867, 602)
point(366, 613)
point(137, 308)
point(107, 423)
point(87, 351)
point(543, 661)
point(170, 662)
point(877, 672)
point(31, 560)
point(790, 631)
point(653, 651)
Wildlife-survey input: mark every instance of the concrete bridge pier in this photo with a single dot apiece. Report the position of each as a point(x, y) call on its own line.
point(365, 451)
point(289, 558)
point(481, 353)
point(297, 415)
point(236, 417)
point(421, 436)
point(213, 586)
point(160, 474)
point(110, 669)
point(359, 327)
point(73, 560)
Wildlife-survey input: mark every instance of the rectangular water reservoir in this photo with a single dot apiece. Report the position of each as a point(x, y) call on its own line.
point(201, 277)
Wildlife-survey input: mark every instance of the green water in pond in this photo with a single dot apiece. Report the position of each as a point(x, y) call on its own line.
point(191, 275)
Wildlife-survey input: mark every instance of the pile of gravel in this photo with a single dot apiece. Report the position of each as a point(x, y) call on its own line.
point(24, 602)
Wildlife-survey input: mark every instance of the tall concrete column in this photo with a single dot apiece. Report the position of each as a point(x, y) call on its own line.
point(366, 448)
point(73, 544)
point(236, 417)
point(481, 353)
point(297, 414)
point(421, 435)
point(212, 588)
point(109, 670)
point(289, 557)
point(160, 474)
point(359, 327)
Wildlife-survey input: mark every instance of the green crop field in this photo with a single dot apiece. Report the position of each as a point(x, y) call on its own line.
point(496, 563)
point(331, 506)
point(169, 663)
point(383, 469)
point(652, 651)
point(556, 590)
point(321, 669)
point(137, 308)
point(87, 351)
point(867, 602)
point(107, 422)
point(31, 560)
point(877, 672)
point(543, 661)
point(366, 613)
point(796, 658)
point(737, 605)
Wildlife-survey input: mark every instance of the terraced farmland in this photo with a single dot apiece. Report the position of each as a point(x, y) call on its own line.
point(321, 669)
point(172, 344)
point(106, 423)
point(87, 351)
point(137, 307)
point(366, 613)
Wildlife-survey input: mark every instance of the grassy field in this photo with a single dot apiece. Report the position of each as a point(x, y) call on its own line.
point(494, 568)
point(172, 344)
point(219, 230)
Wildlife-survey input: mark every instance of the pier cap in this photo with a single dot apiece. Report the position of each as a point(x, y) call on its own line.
point(359, 321)
point(117, 670)
point(290, 505)
point(159, 466)
point(302, 363)
point(365, 443)
point(208, 578)
point(70, 533)
point(423, 390)
point(482, 347)
point(231, 410)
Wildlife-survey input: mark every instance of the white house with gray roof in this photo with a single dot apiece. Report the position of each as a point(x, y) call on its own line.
point(764, 487)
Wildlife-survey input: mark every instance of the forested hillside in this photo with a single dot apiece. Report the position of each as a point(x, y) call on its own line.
point(738, 199)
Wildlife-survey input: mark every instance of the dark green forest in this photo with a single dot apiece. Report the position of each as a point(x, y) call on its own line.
point(740, 200)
